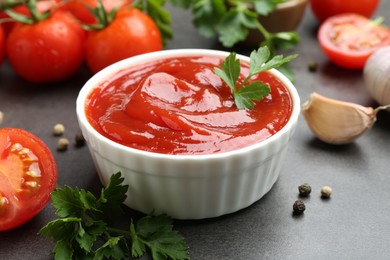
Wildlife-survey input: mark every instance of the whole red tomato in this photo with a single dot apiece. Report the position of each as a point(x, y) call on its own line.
point(47, 51)
point(323, 9)
point(2, 44)
point(130, 33)
point(79, 8)
point(350, 39)
point(28, 174)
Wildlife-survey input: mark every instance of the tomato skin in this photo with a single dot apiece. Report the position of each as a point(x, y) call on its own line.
point(130, 33)
point(323, 9)
point(53, 48)
point(23, 203)
point(349, 39)
point(2, 44)
point(80, 11)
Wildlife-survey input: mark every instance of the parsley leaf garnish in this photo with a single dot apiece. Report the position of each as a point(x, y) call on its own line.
point(245, 93)
point(82, 230)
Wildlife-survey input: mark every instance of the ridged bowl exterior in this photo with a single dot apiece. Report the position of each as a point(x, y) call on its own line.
point(188, 186)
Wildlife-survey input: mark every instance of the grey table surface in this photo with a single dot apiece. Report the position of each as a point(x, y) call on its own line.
point(353, 224)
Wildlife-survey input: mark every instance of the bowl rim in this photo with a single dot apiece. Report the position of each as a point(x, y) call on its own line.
point(291, 3)
point(103, 74)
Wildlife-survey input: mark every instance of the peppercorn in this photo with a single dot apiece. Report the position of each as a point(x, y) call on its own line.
point(298, 207)
point(63, 144)
point(79, 140)
point(304, 190)
point(58, 129)
point(312, 66)
point(326, 191)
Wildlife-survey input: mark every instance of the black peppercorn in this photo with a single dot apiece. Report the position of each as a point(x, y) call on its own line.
point(304, 190)
point(79, 140)
point(299, 207)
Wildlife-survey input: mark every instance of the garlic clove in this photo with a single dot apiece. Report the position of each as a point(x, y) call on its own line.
point(337, 122)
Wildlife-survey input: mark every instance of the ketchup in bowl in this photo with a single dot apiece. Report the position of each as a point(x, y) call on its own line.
point(180, 106)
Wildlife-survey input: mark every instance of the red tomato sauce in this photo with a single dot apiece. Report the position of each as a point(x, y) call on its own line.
point(179, 106)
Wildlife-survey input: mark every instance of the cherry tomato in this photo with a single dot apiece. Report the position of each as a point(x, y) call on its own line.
point(323, 9)
point(2, 44)
point(47, 51)
point(28, 174)
point(349, 39)
point(22, 9)
point(132, 32)
point(79, 8)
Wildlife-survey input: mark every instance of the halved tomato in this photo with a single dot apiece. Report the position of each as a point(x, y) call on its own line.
point(349, 39)
point(28, 174)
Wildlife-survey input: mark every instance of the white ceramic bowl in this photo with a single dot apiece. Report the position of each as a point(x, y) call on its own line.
point(188, 186)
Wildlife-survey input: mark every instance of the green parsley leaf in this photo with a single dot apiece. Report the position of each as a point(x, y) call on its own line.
point(158, 235)
point(265, 7)
point(113, 195)
point(230, 71)
point(82, 232)
point(63, 250)
point(88, 233)
point(207, 15)
point(235, 24)
point(67, 202)
point(253, 91)
point(260, 60)
point(114, 248)
point(285, 40)
point(61, 229)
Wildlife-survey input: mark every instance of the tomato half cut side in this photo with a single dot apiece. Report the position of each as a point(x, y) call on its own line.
point(28, 174)
point(349, 39)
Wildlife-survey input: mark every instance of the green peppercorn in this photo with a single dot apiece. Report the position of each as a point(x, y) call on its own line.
point(304, 190)
point(298, 207)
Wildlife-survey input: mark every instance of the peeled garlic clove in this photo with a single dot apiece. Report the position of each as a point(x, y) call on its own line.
point(337, 122)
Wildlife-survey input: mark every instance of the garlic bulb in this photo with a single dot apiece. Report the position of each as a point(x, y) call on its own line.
point(338, 122)
point(377, 75)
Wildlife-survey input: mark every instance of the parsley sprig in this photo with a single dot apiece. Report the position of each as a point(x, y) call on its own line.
point(82, 230)
point(231, 20)
point(245, 93)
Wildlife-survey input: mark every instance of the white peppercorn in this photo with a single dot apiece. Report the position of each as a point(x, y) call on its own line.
point(58, 129)
point(326, 191)
point(63, 144)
